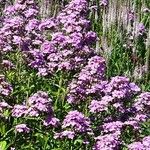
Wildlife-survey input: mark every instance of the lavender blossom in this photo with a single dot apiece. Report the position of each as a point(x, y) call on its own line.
point(77, 122)
point(65, 134)
point(108, 141)
point(7, 64)
point(132, 123)
point(121, 88)
point(3, 106)
point(136, 146)
point(5, 87)
point(104, 2)
point(19, 110)
point(30, 12)
point(40, 102)
point(112, 127)
point(144, 144)
point(131, 16)
point(19, 18)
point(70, 42)
point(22, 128)
point(142, 103)
point(100, 106)
point(51, 121)
point(92, 73)
point(32, 112)
point(140, 29)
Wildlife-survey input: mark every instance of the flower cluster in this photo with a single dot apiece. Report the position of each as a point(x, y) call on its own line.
point(19, 110)
point(87, 80)
point(22, 128)
point(108, 141)
point(131, 16)
point(39, 104)
point(103, 2)
point(19, 28)
point(65, 43)
point(115, 93)
point(75, 123)
point(126, 115)
point(100, 106)
point(140, 29)
point(142, 145)
point(5, 87)
point(121, 88)
point(112, 127)
point(65, 134)
point(4, 106)
point(7, 64)
point(70, 41)
point(142, 103)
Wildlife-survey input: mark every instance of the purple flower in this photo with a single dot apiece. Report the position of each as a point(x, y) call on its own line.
point(112, 127)
point(136, 146)
point(17, 19)
point(131, 16)
point(19, 110)
point(17, 39)
point(51, 121)
point(140, 29)
point(119, 107)
point(118, 94)
point(3, 106)
point(92, 73)
point(47, 24)
point(134, 87)
point(42, 72)
point(9, 10)
point(32, 25)
point(77, 122)
point(65, 134)
point(32, 112)
point(121, 88)
point(68, 40)
point(19, 7)
point(146, 142)
point(108, 142)
point(7, 64)
point(140, 118)
point(142, 103)
point(5, 88)
point(48, 48)
point(30, 12)
point(104, 2)
point(91, 37)
point(100, 106)
point(40, 102)
point(22, 128)
point(132, 123)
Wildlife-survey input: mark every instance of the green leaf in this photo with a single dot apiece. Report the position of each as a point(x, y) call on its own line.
point(3, 145)
point(78, 141)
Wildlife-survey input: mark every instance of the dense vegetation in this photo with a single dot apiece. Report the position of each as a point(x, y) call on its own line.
point(76, 77)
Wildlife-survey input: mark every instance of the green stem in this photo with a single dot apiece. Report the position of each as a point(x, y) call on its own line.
point(46, 141)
